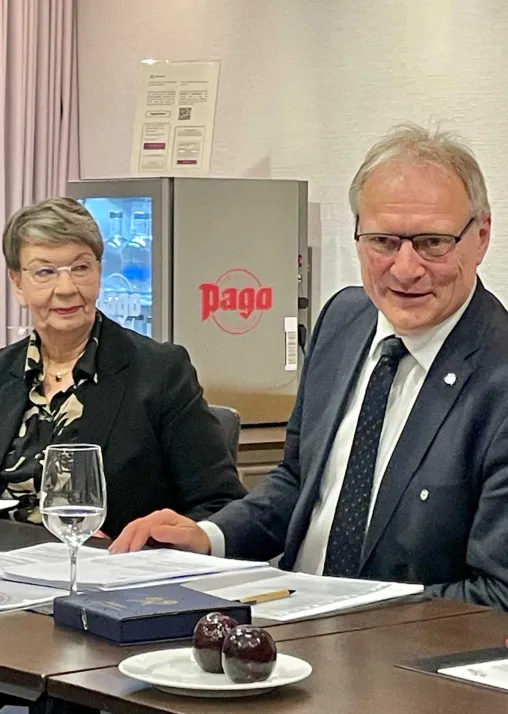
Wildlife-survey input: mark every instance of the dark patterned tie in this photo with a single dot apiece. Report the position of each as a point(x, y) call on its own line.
point(350, 520)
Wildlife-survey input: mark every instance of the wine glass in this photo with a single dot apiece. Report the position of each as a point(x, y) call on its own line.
point(73, 496)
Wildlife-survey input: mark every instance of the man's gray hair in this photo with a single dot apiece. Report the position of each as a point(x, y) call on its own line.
point(53, 222)
point(419, 146)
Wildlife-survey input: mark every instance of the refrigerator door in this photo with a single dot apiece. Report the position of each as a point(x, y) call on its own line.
point(132, 217)
point(235, 289)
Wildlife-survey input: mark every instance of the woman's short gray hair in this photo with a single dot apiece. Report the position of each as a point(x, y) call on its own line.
point(52, 222)
point(423, 146)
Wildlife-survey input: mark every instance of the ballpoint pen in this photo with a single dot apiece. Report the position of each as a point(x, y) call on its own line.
point(265, 597)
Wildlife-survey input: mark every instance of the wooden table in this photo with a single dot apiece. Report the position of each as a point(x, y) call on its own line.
point(354, 673)
point(33, 648)
point(34, 651)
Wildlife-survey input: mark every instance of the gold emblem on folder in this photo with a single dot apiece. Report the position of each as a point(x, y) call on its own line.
point(157, 601)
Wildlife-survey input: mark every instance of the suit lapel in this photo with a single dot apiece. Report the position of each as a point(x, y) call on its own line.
point(104, 399)
point(13, 398)
point(353, 352)
point(13, 401)
point(434, 402)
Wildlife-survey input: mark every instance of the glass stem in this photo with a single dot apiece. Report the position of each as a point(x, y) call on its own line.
point(73, 552)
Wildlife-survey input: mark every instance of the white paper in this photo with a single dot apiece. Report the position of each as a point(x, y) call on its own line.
point(314, 595)
point(5, 504)
point(106, 571)
point(291, 344)
point(173, 127)
point(494, 674)
point(43, 556)
point(20, 596)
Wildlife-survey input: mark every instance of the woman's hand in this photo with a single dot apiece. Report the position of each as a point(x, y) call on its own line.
point(164, 526)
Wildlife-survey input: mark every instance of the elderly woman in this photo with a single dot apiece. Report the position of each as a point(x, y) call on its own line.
point(79, 377)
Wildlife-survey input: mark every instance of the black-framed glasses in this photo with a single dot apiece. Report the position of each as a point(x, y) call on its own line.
point(430, 246)
point(82, 272)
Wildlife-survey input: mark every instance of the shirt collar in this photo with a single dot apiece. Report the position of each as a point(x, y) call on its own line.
point(424, 346)
point(86, 366)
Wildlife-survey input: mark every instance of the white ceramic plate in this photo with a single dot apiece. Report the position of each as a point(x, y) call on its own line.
point(176, 672)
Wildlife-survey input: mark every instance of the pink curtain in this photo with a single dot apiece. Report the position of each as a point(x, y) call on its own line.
point(38, 118)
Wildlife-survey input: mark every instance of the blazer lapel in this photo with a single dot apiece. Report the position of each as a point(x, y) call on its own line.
point(353, 351)
point(435, 400)
point(103, 399)
point(13, 398)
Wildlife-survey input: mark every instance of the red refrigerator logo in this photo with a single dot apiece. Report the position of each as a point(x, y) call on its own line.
point(236, 301)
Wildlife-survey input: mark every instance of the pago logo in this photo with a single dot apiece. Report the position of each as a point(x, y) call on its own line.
point(236, 301)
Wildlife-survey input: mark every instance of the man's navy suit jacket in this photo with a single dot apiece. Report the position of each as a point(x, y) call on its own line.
point(454, 445)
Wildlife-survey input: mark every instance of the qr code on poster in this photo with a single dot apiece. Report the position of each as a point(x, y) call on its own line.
point(184, 113)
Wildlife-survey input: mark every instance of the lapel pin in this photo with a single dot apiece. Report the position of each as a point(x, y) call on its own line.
point(450, 378)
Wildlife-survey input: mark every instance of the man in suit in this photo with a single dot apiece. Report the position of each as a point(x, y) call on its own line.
point(396, 459)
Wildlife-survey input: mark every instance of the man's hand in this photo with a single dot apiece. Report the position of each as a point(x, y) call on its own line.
point(164, 526)
point(100, 534)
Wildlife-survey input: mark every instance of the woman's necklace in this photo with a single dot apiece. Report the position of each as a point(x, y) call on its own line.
point(59, 375)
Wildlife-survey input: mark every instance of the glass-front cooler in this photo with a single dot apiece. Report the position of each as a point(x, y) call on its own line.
point(126, 227)
point(133, 217)
point(214, 264)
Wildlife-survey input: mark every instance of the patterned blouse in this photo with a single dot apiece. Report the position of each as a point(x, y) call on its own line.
point(44, 423)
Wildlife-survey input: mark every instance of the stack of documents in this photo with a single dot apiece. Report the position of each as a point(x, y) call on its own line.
point(45, 555)
point(37, 574)
point(313, 595)
point(47, 564)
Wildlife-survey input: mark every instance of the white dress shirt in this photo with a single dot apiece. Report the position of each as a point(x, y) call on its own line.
point(413, 368)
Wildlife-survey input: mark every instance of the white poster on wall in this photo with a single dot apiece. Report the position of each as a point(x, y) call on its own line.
point(175, 114)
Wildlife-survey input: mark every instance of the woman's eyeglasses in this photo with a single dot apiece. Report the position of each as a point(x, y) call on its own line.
point(81, 272)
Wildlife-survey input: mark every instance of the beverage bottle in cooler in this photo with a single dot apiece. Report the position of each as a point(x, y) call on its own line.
point(112, 265)
point(112, 259)
point(137, 253)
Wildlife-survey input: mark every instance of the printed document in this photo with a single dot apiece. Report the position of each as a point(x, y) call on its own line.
point(175, 115)
point(49, 566)
point(43, 556)
point(20, 596)
point(493, 674)
point(314, 594)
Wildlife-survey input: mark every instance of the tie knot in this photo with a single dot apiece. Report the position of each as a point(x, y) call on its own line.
point(393, 348)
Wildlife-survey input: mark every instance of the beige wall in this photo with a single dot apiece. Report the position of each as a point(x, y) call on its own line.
point(305, 86)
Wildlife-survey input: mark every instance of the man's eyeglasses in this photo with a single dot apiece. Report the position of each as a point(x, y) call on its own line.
point(430, 246)
point(82, 272)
